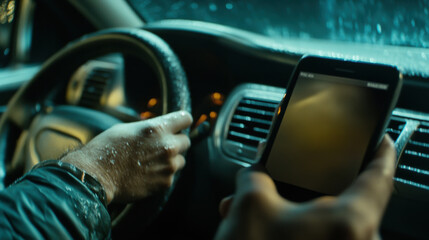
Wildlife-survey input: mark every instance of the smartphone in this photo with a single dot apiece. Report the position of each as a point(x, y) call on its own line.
point(329, 123)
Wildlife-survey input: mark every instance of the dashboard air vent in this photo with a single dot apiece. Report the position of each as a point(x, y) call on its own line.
point(251, 121)
point(413, 167)
point(245, 121)
point(94, 87)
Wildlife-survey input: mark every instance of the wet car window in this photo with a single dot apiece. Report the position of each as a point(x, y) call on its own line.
point(381, 22)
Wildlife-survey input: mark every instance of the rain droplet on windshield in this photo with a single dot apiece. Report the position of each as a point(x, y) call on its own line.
point(379, 28)
point(213, 7)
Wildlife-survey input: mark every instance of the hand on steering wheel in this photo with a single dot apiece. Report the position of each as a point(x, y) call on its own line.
point(135, 160)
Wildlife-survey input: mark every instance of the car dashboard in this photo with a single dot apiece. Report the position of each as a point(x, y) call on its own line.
point(236, 86)
point(252, 76)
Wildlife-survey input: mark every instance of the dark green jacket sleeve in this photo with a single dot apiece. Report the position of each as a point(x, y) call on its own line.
point(50, 203)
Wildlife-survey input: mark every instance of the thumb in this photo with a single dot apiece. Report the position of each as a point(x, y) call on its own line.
point(252, 185)
point(248, 181)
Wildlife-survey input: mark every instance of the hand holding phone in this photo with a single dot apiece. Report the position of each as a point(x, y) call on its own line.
point(354, 214)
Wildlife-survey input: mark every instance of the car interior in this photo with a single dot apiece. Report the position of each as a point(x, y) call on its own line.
point(71, 69)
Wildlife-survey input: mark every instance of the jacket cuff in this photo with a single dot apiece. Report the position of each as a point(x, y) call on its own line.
point(90, 182)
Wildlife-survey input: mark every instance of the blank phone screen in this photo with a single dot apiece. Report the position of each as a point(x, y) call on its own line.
point(325, 132)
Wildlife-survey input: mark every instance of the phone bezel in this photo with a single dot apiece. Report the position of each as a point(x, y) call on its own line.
point(342, 68)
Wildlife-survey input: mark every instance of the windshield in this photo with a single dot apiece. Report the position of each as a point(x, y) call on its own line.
point(381, 22)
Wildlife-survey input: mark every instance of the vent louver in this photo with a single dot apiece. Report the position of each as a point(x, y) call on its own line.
point(94, 87)
point(395, 128)
point(413, 167)
point(251, 121)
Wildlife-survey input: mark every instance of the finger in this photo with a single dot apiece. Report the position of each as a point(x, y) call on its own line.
point(178, 162)
point(167, 173)
point(180, 143)
point(172, 123)
point(176, 121)
point(225, 205)
point(257, 189)
point(170, 166)
point(249, 180)
point(374, 186)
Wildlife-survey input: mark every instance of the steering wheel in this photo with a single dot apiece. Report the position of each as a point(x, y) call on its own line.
point(36, 117)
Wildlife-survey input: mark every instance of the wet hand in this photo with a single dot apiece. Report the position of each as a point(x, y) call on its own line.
point(257, 211)
point(134, 160)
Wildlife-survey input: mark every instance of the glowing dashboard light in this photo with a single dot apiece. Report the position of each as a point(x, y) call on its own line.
point(10, 11)
point(202, 119)
point(3, 15)
point(146, 115)
point(152, 102)
point(217, 98)
point(213, 115)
